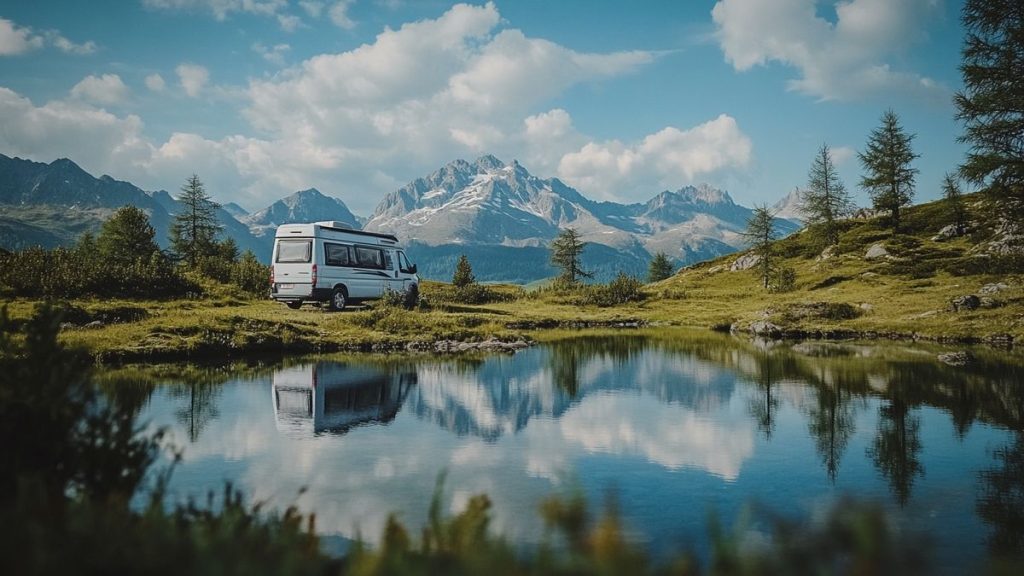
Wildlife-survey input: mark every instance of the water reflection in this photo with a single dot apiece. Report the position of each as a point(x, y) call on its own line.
point(676, 424)
point(334, 397)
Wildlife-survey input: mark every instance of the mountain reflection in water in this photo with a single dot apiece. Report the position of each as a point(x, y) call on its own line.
point(676, 427)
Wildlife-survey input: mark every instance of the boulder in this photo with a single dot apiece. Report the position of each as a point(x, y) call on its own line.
point(866, 307)
point(956, 358)
point(94, 324)
point(766, 329)
point(876, 251)
point(945, 233)
point(745, 262)
point(967, 302)
point(827, 253)
point(993, 288)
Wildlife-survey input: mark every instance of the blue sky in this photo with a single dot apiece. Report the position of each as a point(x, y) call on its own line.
point(619, 99)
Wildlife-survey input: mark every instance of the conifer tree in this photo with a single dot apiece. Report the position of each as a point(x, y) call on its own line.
point(990, 103)
point(463, 275)
point(889, 177)
point(761, 236)
point(566, 251)
point(955, 202)
point(825, 199)
point(195, 228)
point(660, 268)
point(126, 237)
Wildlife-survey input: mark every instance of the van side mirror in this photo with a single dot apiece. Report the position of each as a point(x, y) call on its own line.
point(412, 269)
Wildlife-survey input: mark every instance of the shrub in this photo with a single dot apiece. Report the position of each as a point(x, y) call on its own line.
point(784, 280)
point(250, 275)
point(621, 290)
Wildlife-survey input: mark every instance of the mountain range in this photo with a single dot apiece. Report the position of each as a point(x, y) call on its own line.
point(499, 215)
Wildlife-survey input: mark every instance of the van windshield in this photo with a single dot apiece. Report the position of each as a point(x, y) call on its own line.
point(294, 251)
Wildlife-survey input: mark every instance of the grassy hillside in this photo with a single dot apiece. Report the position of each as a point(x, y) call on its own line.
point(905, 295)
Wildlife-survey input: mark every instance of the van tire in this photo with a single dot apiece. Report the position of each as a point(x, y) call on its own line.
point(338, 300)
point(293, 305)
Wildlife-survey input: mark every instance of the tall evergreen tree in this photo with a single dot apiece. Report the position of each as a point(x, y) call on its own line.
point(990, 104)
point(660, 268)
point(195, 228)
point(889, 177)
point(825, 199)
point(463, 275)
point(761, 236)
point(566, 251)
point(127, 236)
point(955, 202)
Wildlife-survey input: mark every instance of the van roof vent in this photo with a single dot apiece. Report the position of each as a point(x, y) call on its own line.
point(335, 224)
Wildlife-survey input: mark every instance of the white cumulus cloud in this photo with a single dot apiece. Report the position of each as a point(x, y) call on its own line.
point(105, 89)
point(668, 158)
point(845, 60)
point(155, 83)
point(193, 78)
point(16, 39)
point(339, 15)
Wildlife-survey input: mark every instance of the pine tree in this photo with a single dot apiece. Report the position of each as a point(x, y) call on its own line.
point(889, 177)
point(463, 275)
point(990, 103)
point(761, 236)
point(955, 202)
point(195, 228)
point(566, 251)
point(660, 268)
point(825, 199)
point(127, 236)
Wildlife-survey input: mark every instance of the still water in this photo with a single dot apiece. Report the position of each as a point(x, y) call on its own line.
point(677, 428)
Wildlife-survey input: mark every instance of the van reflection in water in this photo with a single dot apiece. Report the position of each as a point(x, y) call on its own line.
point(334, 397)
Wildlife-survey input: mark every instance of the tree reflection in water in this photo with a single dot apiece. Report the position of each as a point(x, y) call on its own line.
point(896, 448)
point(1001, 499)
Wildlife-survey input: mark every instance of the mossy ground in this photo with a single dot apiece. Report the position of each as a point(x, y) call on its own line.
point(907, 294)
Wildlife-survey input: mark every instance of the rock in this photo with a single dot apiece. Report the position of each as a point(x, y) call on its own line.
point(968, 302)
point(989, 302)
point(94, 324)
point(1000, 340)
point(957, 359)
point(868, 274)
point(866, 307)
point(876, 251)
point(716, 269)
point(765, 328)
point(993, 288)
point(745, 262)
point(945, 233)
point(827, 253)
point(68, 326)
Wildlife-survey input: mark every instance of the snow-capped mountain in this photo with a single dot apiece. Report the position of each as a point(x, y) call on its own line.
point(790, 206)
point(303, 206)
point(490, 203)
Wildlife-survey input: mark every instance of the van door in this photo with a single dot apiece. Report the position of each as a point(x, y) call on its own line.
point(370, 276)
point(293, 268)
point(395, 280)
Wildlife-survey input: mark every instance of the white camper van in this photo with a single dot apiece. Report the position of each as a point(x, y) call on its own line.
point(330, 262)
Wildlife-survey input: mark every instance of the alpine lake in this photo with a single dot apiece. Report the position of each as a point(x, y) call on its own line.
point(679, 428)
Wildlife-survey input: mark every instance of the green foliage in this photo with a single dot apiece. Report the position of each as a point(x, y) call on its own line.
point(784, 280)
point(954, 200)
point(989, 104)
point(623, 289)
point(566, 251)
point(661, 267)
point(126, 237)
point(889, 177)
point(825, 200)
point(761, 235)
point(463, 275)
point(195, 228)
point(64, 273)
point(408, 298)
point(250, 275)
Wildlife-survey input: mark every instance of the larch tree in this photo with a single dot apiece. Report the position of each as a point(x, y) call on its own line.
point(955, 203)
point(761, 235)
point(463, 275)
point(825, 200)
point(661, 267)
point(888, 174)
point(566, 252)
point(991, 104)
point(195, 228)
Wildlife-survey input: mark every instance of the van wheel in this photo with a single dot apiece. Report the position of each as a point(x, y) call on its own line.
point(293, 305)
point(338, 299)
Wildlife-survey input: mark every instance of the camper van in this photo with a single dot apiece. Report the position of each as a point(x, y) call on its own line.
point(330, 262)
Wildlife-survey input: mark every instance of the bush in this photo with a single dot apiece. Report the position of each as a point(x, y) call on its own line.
point(784, 280)
point(251, 276)
point(623, 289)
point(408, 298)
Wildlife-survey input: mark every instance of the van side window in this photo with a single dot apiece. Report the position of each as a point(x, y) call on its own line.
point(369, 257)
point(294, 251)
point(403, 264)
point(337, 255)
point(389, 264)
